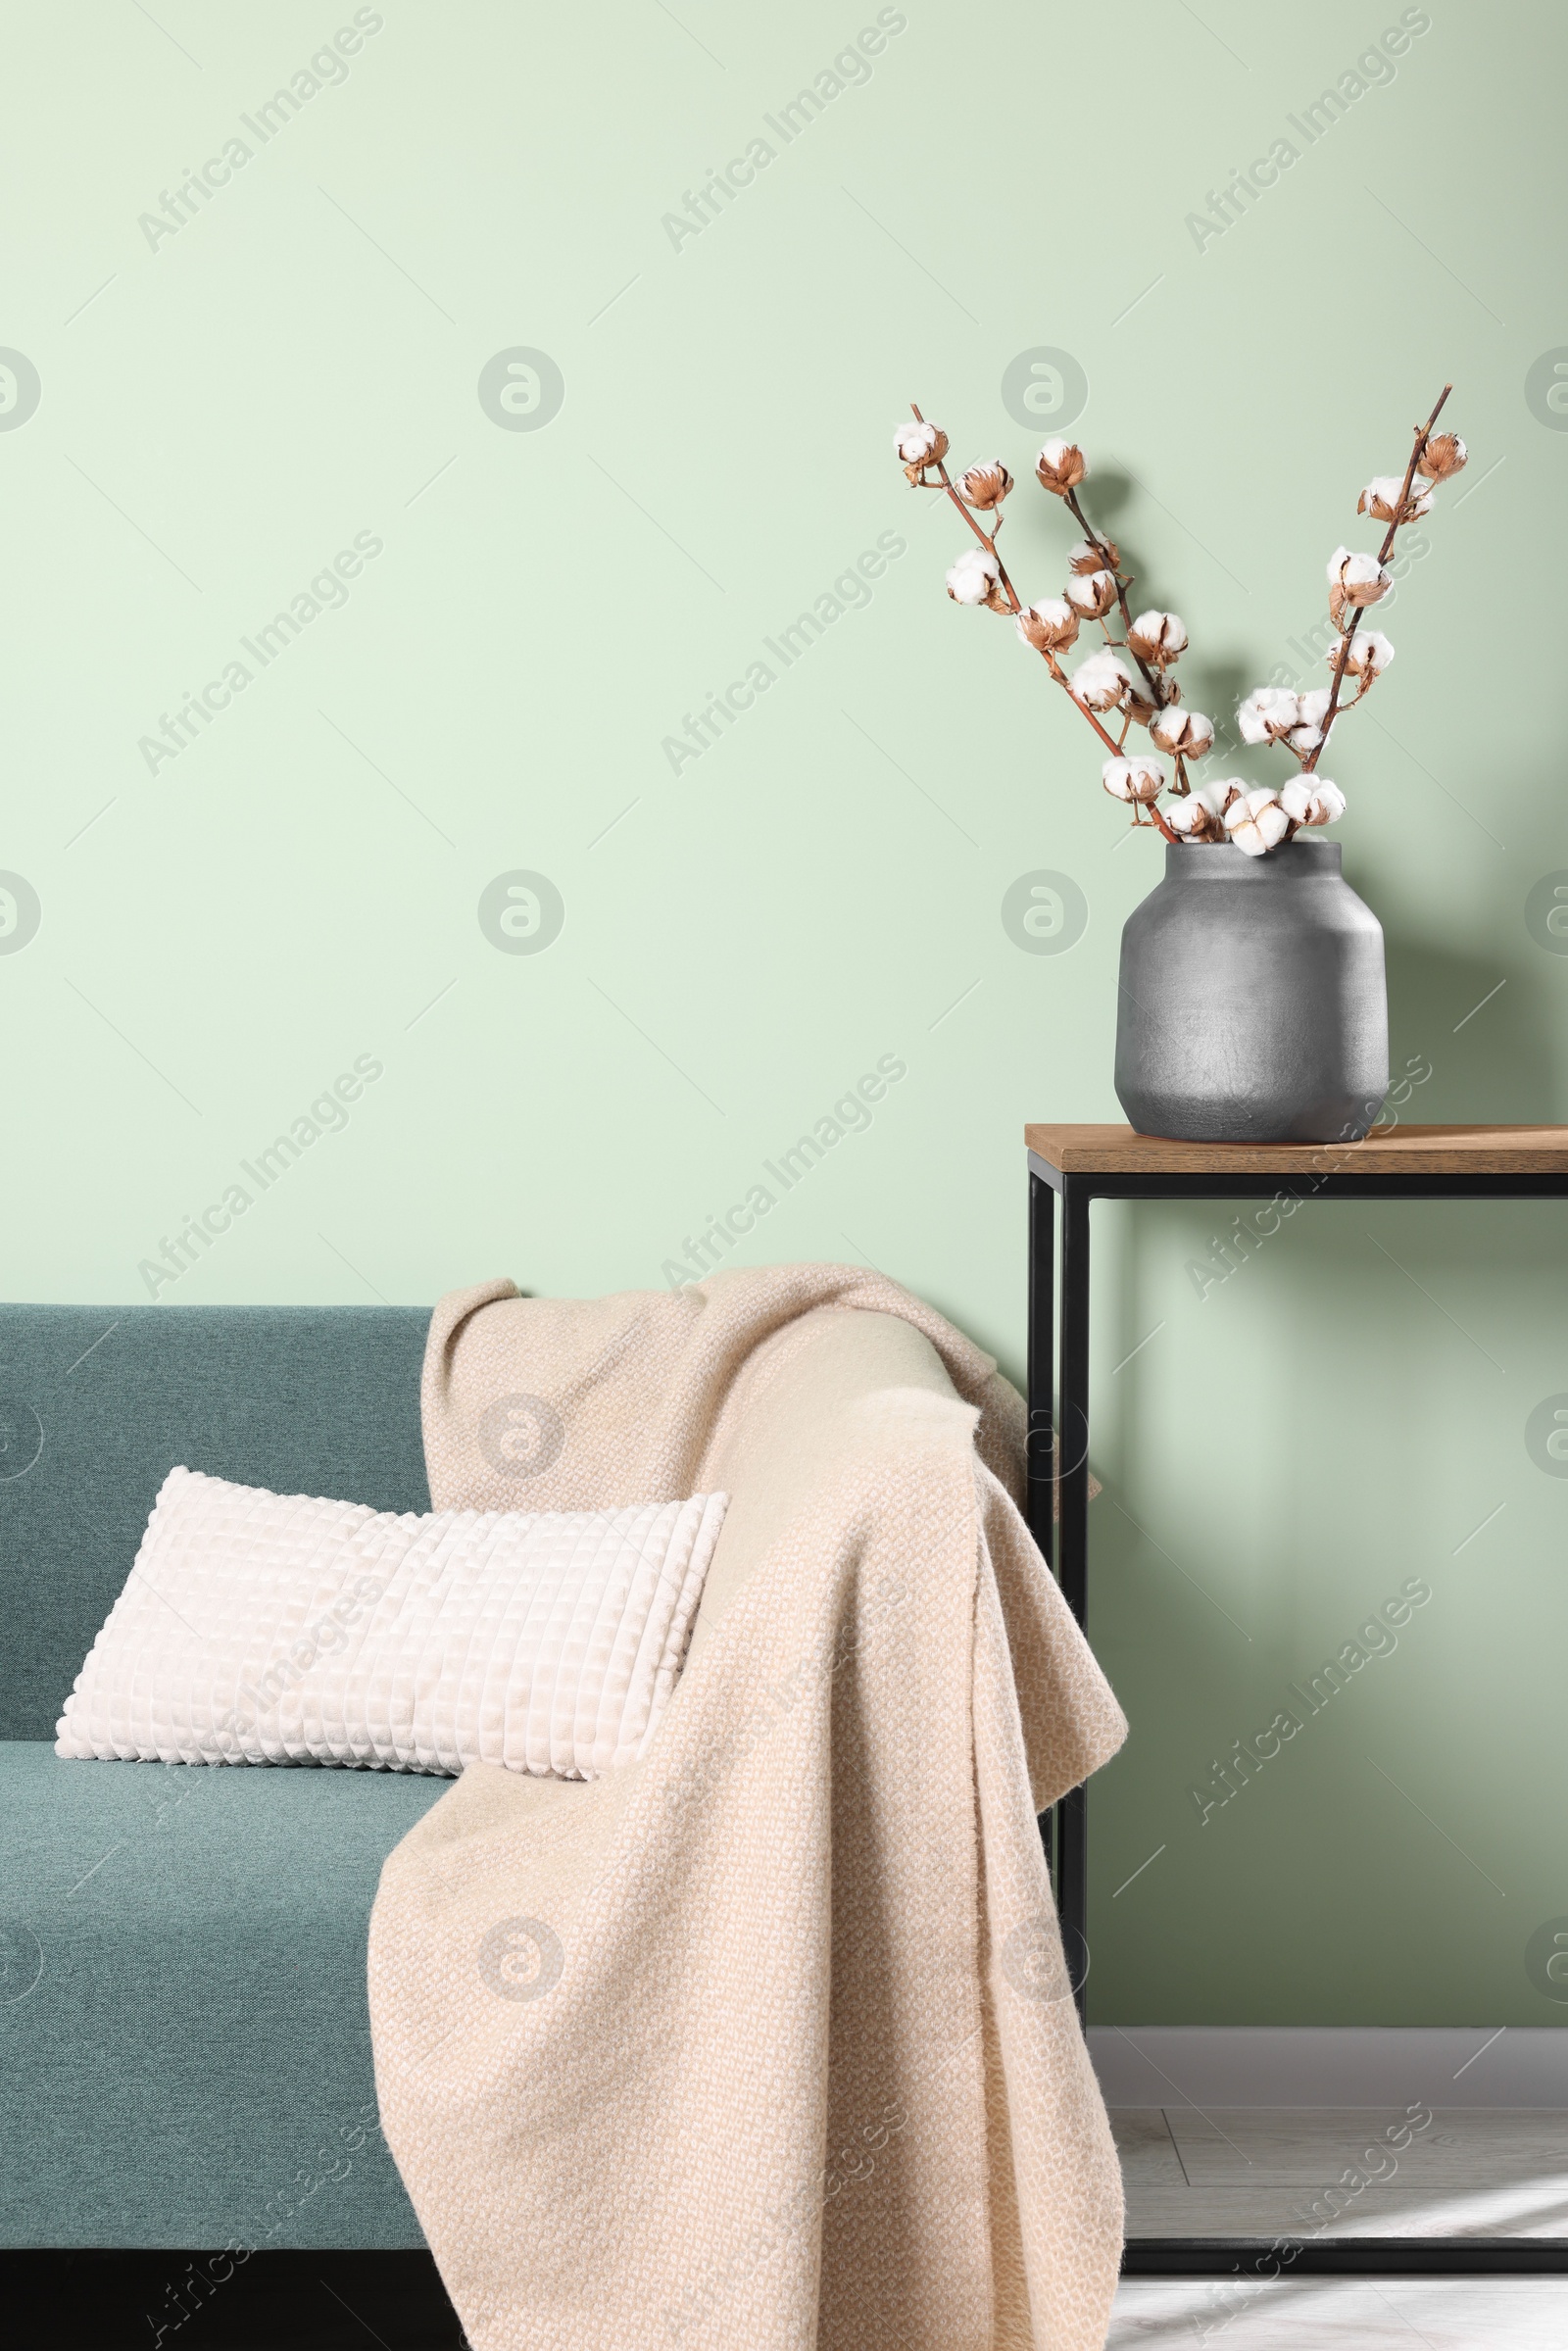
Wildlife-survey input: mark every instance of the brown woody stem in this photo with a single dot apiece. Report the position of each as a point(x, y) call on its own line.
point(1157, 685)
point(968, 515)
point(1423, 433)
point(1061, 677)
point(1050, 658)
point(1055, 667)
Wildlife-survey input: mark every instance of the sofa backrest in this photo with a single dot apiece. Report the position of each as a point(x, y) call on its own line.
point(98, 1403)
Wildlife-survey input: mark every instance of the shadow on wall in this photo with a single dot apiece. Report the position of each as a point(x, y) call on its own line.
point(1212, 680)
point(1485, 1034)
point(1107, 498)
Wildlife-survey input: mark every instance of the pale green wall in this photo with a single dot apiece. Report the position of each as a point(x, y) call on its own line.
point(300, 364)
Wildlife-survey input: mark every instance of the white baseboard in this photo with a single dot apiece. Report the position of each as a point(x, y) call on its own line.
point(1331, 2064)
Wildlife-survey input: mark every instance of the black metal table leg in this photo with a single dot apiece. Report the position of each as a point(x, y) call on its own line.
point(1072, 1566)
point(1072, 1570)
point(1039, 1442)
point(1041, 1446)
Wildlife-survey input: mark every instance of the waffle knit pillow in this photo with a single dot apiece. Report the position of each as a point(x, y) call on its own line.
point(266, 1627)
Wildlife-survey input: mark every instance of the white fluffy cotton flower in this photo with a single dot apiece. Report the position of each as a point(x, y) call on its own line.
point(1091, 594)
point(1186, 731)
point(1050, 626)
point(1308, 733)
point(1137, 778)
point(1257, 822)
point(1355, 579)
point(1092, 555)
point(1312, 799)
point(972, 579)
point(919, 446)
point(1102, 682)
point(1385, 501)
point(1370, 654)
point(1267, 714)
point(1157, 637)
point(1200, 816)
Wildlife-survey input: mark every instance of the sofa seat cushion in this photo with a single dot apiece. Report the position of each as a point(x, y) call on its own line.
point(184, 2040)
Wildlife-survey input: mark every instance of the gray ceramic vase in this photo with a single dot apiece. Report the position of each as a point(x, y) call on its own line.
point(1252, 1005)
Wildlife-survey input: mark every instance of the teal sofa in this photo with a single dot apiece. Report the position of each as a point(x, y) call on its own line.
point(185, 2042)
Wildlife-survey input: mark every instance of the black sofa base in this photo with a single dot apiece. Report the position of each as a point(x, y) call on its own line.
point(291, 2301)
point(275, 2301)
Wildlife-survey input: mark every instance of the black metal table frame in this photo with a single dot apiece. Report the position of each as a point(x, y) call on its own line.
point(1061, 1476)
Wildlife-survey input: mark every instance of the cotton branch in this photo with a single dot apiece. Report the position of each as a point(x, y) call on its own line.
point(1157, 685)
point(1423, 434)
point(1256, 819)
point(1014, 605)
point(1352, 614)
point(945, 482)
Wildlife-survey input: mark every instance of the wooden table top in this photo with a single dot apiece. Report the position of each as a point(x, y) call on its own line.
point(1398, 1151)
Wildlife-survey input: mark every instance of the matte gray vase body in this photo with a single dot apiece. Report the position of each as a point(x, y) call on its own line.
point(1253, 1005)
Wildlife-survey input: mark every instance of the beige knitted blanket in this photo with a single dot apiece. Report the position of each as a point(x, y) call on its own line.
point(765, 2042)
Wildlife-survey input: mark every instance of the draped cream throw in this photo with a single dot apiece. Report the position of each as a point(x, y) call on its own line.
point(764, 2042)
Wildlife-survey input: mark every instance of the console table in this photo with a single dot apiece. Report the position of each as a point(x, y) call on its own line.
point(1080, 1164)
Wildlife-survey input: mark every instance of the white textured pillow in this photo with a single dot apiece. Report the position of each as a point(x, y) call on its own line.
point(266, 1628)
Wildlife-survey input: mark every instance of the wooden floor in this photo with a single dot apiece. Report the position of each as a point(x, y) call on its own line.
point(1259, 2170)
point(1343, 2314)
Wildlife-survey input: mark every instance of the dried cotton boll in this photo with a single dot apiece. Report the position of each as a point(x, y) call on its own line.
point(1050, 626)
point(1313, 800)
point(1060, 467)
point(1361, 578)
point(1193, 821)
point(1355, 579)
point(1141, 779)
point(973, 580)
point(1257, 822)
point(1368, 654)
point(1158, 638)
point(1186, 731)
point(1200, 815)
point(919, 446)
point(1085, 556)
point(1267, 714)
point(1102, 682)
point(1384, 501)
point(985, 486)
point(1093, 595)
point(1444, 454)
point(1308, 734)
